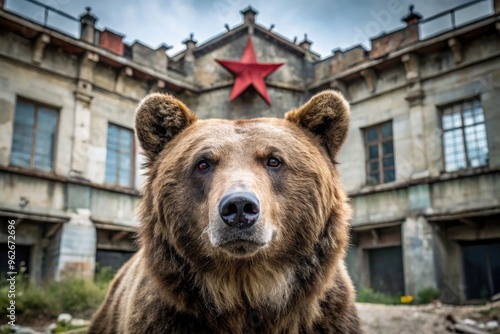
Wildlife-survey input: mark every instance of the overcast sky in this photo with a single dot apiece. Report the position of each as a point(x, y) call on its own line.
point(329, 24)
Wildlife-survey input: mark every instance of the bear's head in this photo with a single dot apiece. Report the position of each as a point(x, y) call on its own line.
point(223, 193)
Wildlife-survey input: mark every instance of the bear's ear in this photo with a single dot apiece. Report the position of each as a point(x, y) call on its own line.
point(326, 115)
point(159, 118)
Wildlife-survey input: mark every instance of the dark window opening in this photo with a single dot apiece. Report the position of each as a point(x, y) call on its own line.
point(379, 147)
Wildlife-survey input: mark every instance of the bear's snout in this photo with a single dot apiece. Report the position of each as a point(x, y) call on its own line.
point(238, 225)
point(239, 209)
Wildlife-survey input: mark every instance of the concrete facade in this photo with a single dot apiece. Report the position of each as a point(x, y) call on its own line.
point(424, 223)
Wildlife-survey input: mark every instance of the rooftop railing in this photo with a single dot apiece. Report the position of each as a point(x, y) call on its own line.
point(454, 18)
point(48, 16)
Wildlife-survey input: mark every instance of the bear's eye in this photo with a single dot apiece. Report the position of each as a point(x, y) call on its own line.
point(273, 162)
point(203, 165)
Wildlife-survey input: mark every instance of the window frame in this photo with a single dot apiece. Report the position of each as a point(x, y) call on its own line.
point(441, 110)
point(37, 105)
point(133, 158)
point(380, 159)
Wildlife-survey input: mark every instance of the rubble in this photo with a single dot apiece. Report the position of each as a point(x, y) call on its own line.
point(435, 318)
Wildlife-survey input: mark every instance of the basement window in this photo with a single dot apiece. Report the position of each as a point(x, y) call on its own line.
point(379, 148)
point(120, 156)
point(464, 135)
point(34, 138)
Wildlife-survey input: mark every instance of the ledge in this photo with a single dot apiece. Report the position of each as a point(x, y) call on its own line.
point(51, 176)
point(445, 176)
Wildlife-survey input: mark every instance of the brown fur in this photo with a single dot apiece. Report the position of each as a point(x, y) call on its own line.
point(179, 282)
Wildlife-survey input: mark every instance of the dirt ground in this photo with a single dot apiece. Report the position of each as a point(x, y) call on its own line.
point(416, 319)
point(391, 319)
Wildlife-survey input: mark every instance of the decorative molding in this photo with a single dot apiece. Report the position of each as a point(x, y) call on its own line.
point(40, 44)
point(412, 66)
point(157, 86)
point(87, 66)
point(415, 95)
point(120, 78)
point(370, 78)
point(456, 49)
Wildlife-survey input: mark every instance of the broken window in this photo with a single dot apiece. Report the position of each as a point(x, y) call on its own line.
point(379, 147)
point(120, 156)
point(34, 138)
point(464, 135)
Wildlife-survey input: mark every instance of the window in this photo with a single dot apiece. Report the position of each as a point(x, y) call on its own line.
point(379, 154)
point(34, 136)
point(464, 135)
point(120, 156)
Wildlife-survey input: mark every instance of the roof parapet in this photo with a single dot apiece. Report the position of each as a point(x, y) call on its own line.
point(386, 43)
point(147, 56)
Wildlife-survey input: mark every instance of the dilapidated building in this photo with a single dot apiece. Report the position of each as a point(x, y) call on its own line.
point(421, 162)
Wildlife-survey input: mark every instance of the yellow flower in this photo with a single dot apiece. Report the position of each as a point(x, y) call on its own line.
point(406, 299)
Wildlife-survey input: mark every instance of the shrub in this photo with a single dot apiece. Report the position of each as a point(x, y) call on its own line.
point(427, 295)
point(104, 275)
point(76, 295)
point(72, 295)
point(33, 301)
point(367, 295)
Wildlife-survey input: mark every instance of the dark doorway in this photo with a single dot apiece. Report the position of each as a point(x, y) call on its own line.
point(481, 268)
point(386, 270)
point(112, 259)
point(22, 259)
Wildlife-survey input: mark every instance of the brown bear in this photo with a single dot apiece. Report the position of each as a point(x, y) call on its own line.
point(243, 225)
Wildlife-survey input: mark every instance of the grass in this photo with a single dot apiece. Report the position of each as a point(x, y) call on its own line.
point(71, 295)
point(367, 295)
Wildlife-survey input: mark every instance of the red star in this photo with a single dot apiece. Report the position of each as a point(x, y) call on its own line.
point(249, 72)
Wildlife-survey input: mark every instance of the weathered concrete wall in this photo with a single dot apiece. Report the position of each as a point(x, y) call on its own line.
point(216, 104)
point(44, 196)
point(418, 255)
point(488, 228)
point(380, 207)
point(77, 247)
point(113, 207)
point(105, 241)
point(465, 194)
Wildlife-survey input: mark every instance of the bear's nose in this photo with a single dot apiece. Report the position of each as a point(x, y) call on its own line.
point(239, 209)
